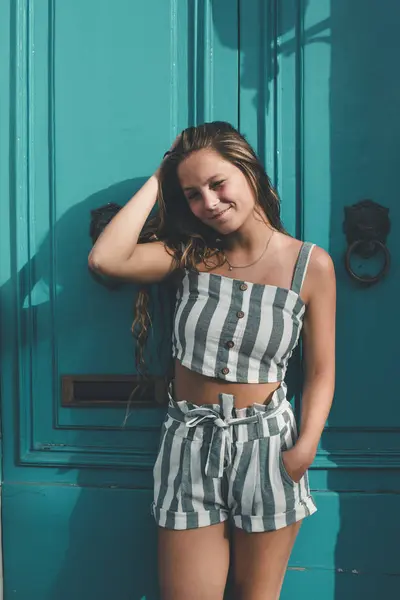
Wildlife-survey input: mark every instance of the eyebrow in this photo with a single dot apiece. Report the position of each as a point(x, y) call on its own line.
point(218, 175)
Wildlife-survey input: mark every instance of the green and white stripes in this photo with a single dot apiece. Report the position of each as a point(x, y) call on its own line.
point(253, 487)
point(217, 462)
point(237, 330)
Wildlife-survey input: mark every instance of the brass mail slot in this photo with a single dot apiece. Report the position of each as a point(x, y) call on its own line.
point(112, 391)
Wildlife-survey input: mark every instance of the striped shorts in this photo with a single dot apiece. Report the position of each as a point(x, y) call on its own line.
point(216, 462)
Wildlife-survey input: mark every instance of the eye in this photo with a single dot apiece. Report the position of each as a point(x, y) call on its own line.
point(192, 195)
point(217, 184)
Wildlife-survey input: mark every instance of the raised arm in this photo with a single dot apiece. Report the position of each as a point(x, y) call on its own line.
point(117, 253)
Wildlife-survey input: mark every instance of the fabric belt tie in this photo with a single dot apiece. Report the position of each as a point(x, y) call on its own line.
point(219, 455)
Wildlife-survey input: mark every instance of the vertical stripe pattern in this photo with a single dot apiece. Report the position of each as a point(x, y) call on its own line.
point(216, 462)
point(237, 330)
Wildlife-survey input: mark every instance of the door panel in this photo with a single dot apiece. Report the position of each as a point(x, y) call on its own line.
point(97, 93)
point(322, 112)
point(343, 56)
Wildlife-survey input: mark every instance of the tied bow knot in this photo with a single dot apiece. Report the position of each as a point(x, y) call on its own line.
point(219, 455)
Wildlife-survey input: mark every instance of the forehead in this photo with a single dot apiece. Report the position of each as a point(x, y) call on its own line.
point(201, 166)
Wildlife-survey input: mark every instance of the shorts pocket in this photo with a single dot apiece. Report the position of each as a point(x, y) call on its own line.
point(159, 449)
point(168, 428)
point(284, 474)
point(288, 437)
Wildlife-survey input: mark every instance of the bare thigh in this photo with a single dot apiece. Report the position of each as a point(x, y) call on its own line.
point(260, 562)
point(193, 563)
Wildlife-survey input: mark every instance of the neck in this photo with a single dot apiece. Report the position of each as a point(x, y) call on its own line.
point(251, 237)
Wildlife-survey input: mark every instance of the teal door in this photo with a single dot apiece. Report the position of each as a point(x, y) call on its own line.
point(97, 92)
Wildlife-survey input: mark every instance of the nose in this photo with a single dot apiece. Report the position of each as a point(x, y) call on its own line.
point(210, 200)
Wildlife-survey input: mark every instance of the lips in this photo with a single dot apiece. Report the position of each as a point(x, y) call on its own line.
point(220, 214)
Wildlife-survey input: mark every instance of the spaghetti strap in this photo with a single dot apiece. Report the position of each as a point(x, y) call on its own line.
point(301, 266)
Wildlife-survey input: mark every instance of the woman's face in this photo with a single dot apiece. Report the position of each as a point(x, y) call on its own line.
point(217, 192)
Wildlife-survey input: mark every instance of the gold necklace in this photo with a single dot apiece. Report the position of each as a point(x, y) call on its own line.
point(231, 267)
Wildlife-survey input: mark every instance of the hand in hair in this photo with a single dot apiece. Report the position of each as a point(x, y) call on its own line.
point(168, 152)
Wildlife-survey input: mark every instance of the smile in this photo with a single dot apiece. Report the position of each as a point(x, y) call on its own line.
point(220, 214)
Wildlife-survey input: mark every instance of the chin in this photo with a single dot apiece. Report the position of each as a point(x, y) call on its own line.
point(226, 228)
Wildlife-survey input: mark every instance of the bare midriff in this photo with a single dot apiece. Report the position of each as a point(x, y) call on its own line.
point(199, 389)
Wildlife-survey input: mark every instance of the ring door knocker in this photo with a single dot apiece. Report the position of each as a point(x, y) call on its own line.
point(366, 226)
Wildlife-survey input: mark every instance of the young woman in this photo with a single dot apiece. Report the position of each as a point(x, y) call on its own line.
point(229, 450)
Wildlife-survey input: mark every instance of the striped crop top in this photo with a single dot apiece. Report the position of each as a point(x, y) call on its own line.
point(235, 330)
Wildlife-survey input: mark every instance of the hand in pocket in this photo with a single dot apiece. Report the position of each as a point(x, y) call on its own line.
point(296, 463)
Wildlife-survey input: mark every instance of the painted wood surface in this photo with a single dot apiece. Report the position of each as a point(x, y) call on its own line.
point(97, 92)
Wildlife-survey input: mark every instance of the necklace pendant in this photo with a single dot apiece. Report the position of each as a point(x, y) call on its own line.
point(230, 268)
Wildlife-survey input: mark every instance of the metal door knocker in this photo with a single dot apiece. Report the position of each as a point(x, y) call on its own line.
point(366, 226)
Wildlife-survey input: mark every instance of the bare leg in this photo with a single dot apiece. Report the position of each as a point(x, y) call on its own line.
point(260, 561)
point(193, 564)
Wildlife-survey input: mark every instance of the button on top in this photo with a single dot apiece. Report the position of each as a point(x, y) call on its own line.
point(225, 371)
point(230, 344)
point(243, 287)
point(240, 314)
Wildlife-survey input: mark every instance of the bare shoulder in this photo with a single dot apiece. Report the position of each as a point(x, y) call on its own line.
point(288, 246)
point(321, 264)
point(320, 278)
